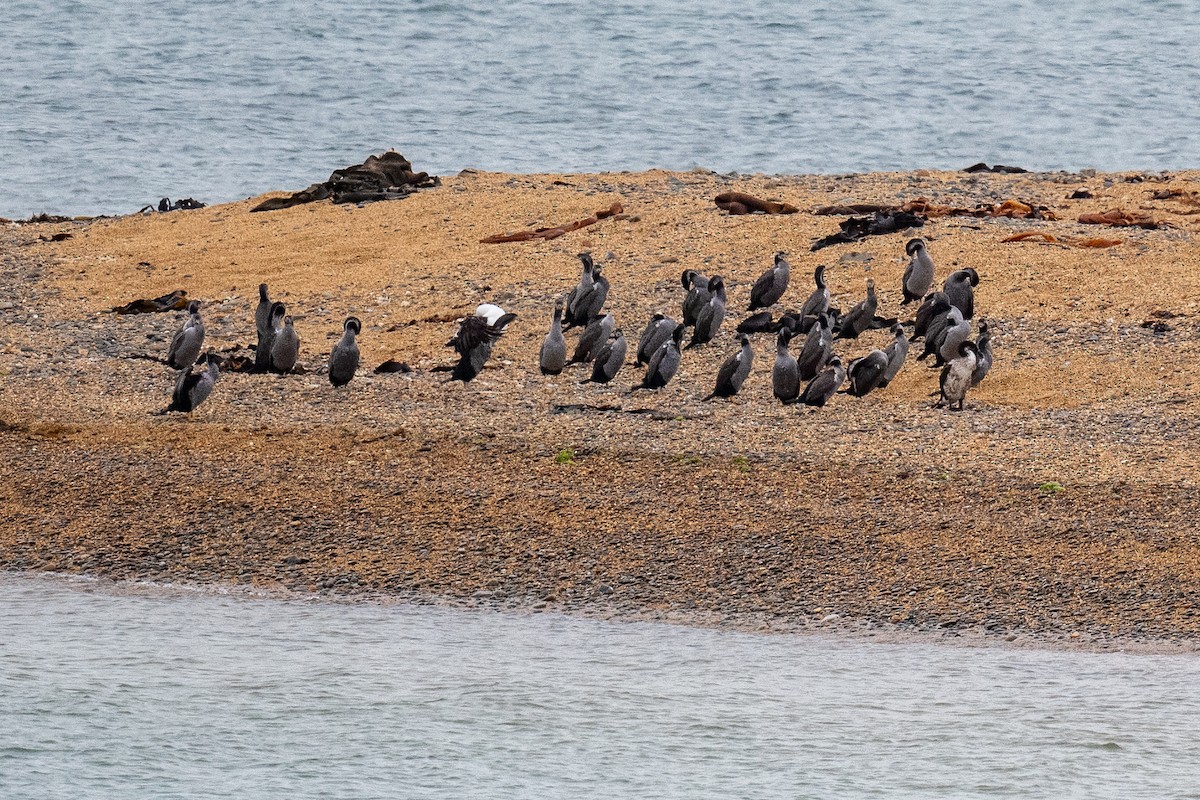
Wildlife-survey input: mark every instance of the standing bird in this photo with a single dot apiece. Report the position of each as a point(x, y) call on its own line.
point(733, 372)
point(859, 318)
point(818, 347)
point(959, 289)
point(589, 296)
point(866, 372)
point(609, 359)
point(957, 331)
point(262, 324)
point(771, 285)
point(824, 386)
point(664, 363)
point(658, 330)
point(817, 302)
point(956, 376)
point(553, 356)
point(593, 338)
point(473, 343)
point(285, 349)
point(185, 347)
point(785, 375)
point(935, 304)
point(712, 315)
point(697, 295)
point(896, 352)
point(343, 361)
point(193, 388)
point(984, 358)
point(918, 278)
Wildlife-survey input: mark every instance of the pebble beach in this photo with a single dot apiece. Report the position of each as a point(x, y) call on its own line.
point(1058, 509)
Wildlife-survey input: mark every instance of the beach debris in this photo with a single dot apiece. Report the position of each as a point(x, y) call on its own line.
point(1121, 218)
point(742, 203)
point(553, 232)
point(879, 223)
point(385, 177)
point(1080, 194)
point(1042, 236)
point(165, 205)
point(391, 366)
point(173, 301)
point(1000, 168)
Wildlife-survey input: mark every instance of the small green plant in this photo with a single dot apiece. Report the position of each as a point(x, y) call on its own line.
point(741, 464)
point(1051, 487)
point(565, 456)
point(686, 460)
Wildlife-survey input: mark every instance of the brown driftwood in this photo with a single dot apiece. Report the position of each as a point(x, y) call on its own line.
point(555, 231)
point(1120, 218)
point(742, 203)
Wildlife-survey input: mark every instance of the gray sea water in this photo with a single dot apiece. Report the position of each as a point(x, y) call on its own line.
point(173, 696)
point(108, 105)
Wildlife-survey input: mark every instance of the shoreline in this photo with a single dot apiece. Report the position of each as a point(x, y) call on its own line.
point(877, 510)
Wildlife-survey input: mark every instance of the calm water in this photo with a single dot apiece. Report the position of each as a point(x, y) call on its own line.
point(110, 104)
point(106, 695)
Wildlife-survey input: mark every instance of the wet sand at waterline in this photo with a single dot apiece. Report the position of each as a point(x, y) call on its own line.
point(1059, 507)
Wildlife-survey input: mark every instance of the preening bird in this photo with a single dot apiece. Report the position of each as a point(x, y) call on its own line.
point(818, 347)
point(896, 352)
point(984, 358)
point(771, 285)
point(712, 315)
point(593, 338)
point(733, 372)
point(960, 291)
point(473, 343)
point(193, 388)
point(697, 295)
point(262, 325)
point(865, 373)
point(187, 343)
point(343, 361)
point(609, 359)
point(935, 304)
point(918, 277)
point(956, 377)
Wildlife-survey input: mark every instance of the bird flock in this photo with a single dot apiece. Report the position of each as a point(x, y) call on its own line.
point(811, 376)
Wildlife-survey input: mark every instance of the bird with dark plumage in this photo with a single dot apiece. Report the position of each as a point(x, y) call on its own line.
point(593, 338)
point(959, 289)
point(553, 355)
point(785, 374)
point(609, 359)
point(697, 295)
point(658, 330)
point(285, 348)
point(935, 304)
point(859, 318)
point(865, 373)
point(896, 352)
point(818, 347)
point(817, 302)
point(918, 277)
point(712, 315)
point(473, 342)
point(343, 361)
point(771, 285)
point(664, 363)
point(589, 296)
point(187, 343)
point(262, 324)
point(734, 370)
point(193, 388)
point(955, 379)
point(824, 386)
point(983, 346)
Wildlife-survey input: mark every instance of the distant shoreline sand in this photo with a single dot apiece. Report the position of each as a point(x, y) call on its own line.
point(876, 514)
